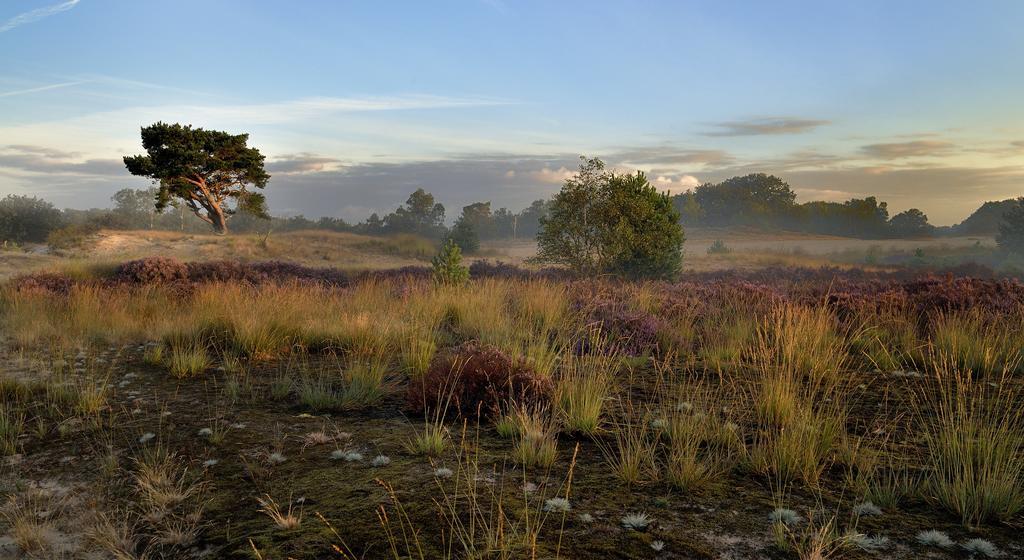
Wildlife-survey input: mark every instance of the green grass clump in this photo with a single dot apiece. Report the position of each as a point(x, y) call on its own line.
point(187, 361)
point(976, 342)
point(12, 425)
point(975, 438)
point(584, 389)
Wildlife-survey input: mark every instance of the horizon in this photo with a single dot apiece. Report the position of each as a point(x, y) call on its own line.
point(356, 106)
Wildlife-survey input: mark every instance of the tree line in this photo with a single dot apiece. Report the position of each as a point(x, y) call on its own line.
point(30, 219)
point(764, 201)
point(204, 178)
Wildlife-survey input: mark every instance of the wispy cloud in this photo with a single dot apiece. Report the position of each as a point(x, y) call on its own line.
point(302, 163)
point(498, 5)
point(46, 161)
point(37, 14)
point(670, 155)
point(917, 148)
point(303, 109)
point(765, 126)
point(38, 89)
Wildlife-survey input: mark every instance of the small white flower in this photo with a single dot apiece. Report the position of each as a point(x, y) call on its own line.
point(865, 542)
point(658, 546)
point(205, 432)
point(659, 424)
point(529, 488)
point(636, 521)
point(557, 505)
point(586, 518)
point(381, 461)
point(209, 463)
point(867, 509)
point(785, 516)
point(353, 456)
point(443, 472)
point(981, 547)
point(276, 458)
point(337, 454)
point(146, 437)
point(684, 406)
point(934, 538)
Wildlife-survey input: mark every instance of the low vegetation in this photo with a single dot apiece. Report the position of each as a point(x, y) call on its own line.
point(161, 408)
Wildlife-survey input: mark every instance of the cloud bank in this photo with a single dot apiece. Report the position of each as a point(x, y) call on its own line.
point(765, 126)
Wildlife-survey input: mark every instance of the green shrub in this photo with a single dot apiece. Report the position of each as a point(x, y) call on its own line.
point(448, 267)
point(71, 236)
point(465, 236)
point(719, 248)
point(601, 222)
point(27, 218)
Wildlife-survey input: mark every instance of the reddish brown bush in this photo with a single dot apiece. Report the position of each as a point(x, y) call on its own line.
point(153, 270)
point(475, 380)
point(43, 282)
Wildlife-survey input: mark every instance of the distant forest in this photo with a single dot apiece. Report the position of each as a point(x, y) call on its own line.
point(756, 201)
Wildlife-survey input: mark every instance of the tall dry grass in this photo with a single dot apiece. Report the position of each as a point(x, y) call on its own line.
point(974, 432)
point(799, 395)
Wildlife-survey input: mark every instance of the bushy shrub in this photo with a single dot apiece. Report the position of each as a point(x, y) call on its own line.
point(719, 248)
point(71, 236)
point(475, 380)
point(602, 222)
point(508, 271)
point(27, 218)
point(629, 332)
point(153, 270)
point(222, 271)
point(43, 282)
point(281, 271)
point(465, 236)
point(448, 267)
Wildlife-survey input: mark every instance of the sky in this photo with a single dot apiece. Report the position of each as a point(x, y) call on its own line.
point(358, 103)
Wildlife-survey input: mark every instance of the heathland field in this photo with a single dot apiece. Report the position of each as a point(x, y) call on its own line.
point(319, 396)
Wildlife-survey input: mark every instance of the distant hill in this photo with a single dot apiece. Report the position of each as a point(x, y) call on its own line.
point(985, 220)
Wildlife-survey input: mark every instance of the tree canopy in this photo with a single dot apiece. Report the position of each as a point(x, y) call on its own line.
point(911, 223)
point(27, 218)
point(421, 215)
point(765, 201)
point(602, 222)
point(207, 169)
point(1011, 231)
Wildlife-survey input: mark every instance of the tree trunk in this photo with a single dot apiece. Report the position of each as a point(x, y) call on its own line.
point(218, 220)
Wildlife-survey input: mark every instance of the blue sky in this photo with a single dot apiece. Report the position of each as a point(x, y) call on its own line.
point(356, 104)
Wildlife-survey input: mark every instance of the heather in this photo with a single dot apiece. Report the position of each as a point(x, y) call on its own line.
point(283, 410)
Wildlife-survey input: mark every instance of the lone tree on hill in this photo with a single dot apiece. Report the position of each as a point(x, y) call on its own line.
point(601, 222)
point(204, 168)
point(1011, 231)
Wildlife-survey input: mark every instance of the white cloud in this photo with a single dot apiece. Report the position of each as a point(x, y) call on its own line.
point(675, 185)
point(355, 127)
point(548, 175)
point(314, 107)
point(36, 15)
point(38, 89)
